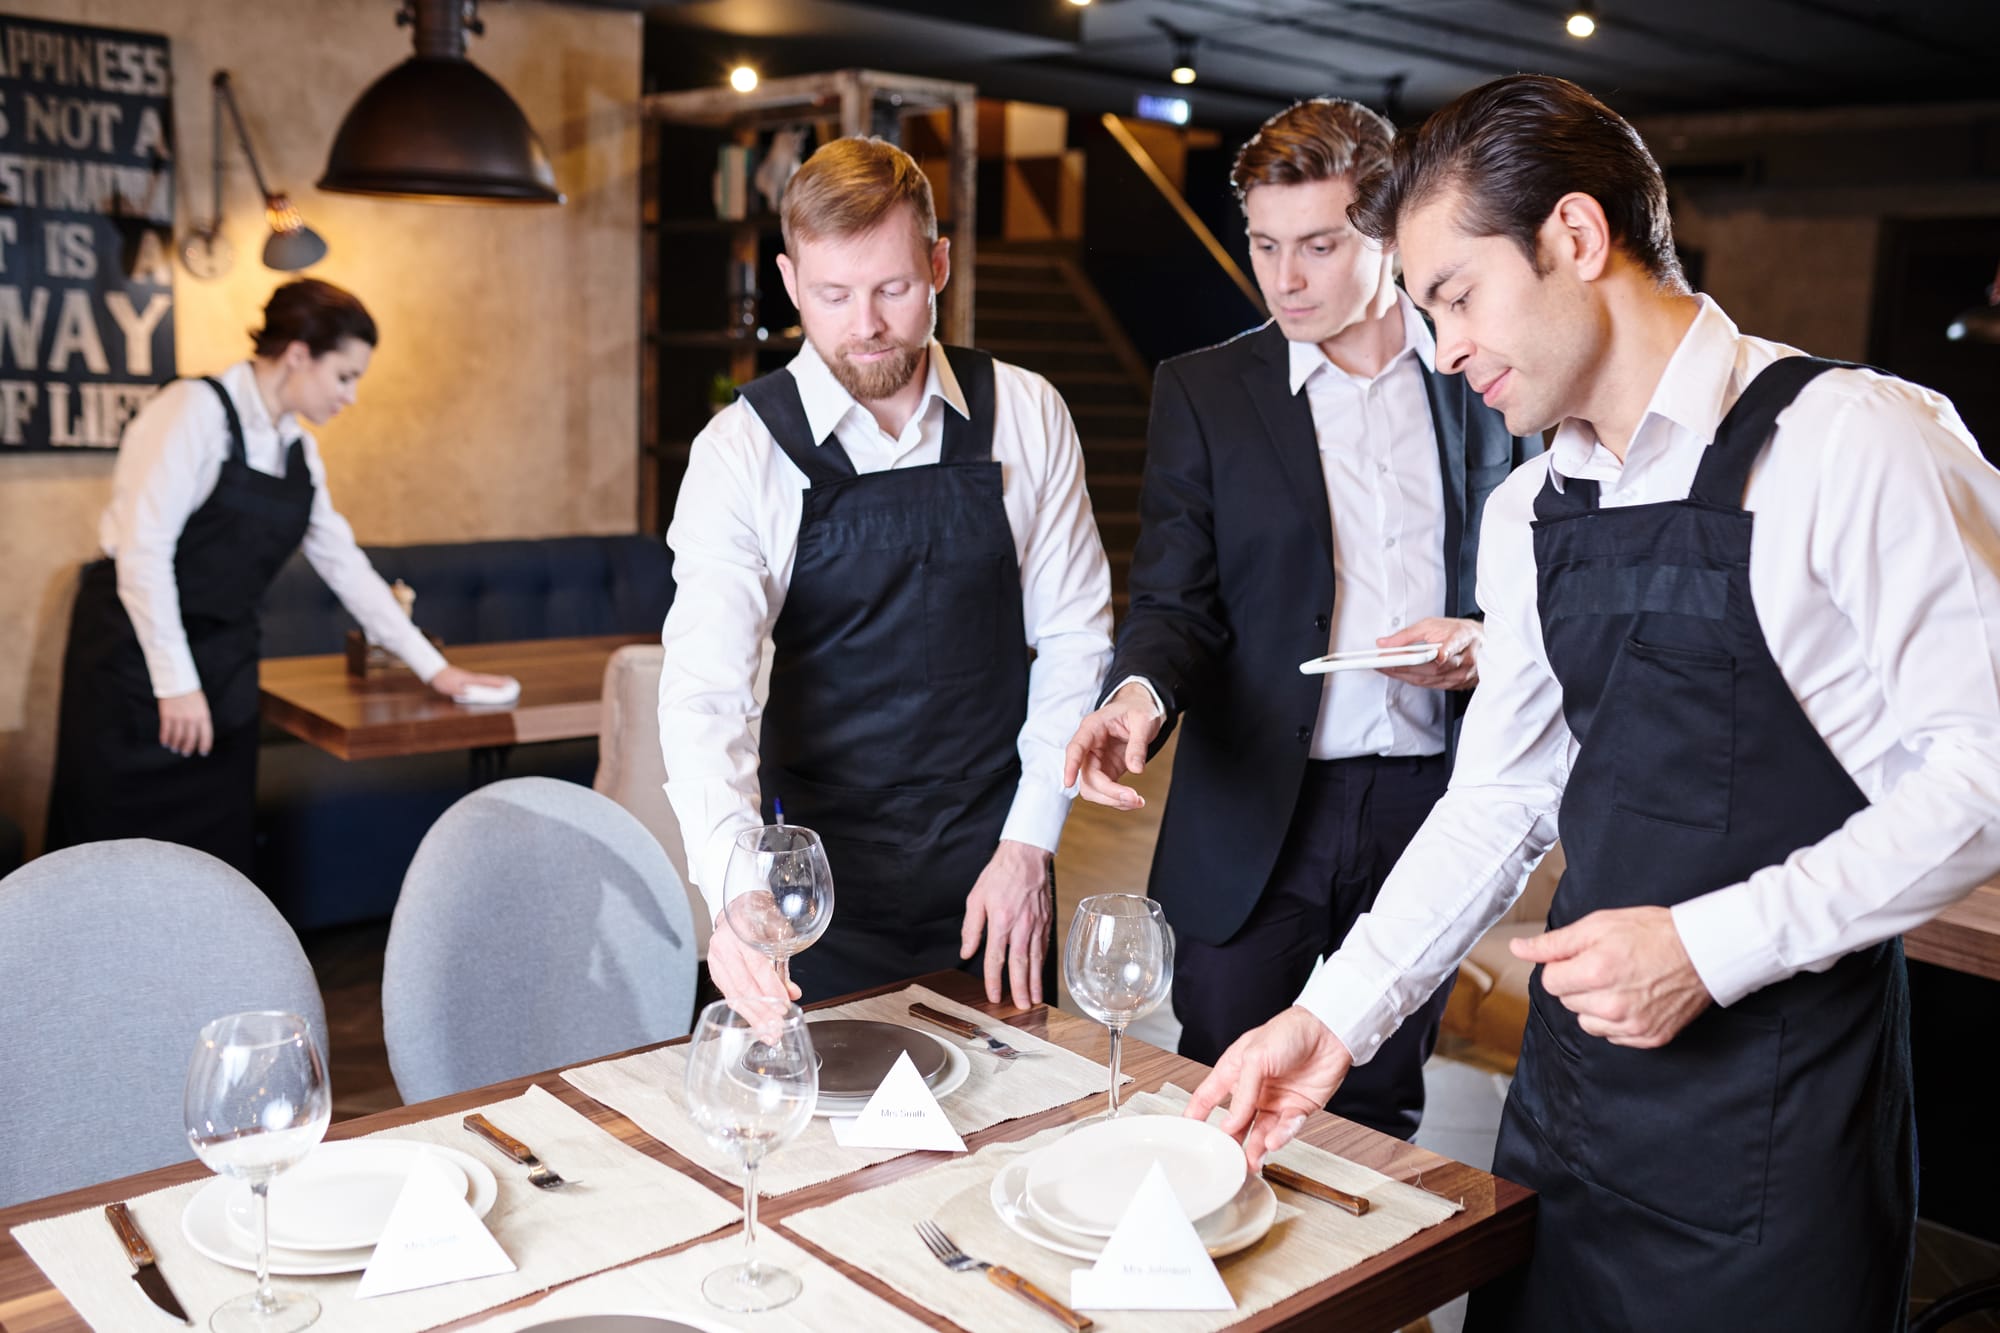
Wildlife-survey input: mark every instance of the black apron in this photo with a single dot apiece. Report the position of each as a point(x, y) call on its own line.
point(1758, 1171)
point(113, 779)
point(899, 683)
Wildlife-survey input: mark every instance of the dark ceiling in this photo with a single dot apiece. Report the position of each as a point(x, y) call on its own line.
point(1405, 56)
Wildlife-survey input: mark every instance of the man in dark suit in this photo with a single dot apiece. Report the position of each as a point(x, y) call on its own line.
point(1311, 486)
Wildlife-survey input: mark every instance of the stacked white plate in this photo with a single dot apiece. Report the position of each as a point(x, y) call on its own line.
point(1069, 1196)
point(327, 1212)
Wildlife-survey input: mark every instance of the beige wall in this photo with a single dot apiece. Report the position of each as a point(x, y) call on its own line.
point(503, 401)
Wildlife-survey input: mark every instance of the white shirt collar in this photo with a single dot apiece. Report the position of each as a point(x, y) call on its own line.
point(827, 403)
point(241, 382)
point(1694, 392)
point(1307, 358)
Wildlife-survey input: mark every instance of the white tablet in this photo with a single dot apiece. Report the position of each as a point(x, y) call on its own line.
point(1371, 659)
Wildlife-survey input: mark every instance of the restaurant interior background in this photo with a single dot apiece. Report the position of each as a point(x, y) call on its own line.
point(1834, 167)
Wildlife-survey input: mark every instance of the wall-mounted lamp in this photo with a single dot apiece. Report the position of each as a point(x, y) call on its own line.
point(291, 246)
point(1582, 21)
point(438, 127)
point(743, 79)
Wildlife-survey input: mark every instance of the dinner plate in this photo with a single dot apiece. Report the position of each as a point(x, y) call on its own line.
point(630, 1323)
point(1237, 1225)
point(957, 1070)
point(340, 1196)
point(205, 1223)
point(855, 1054)
point(1370, 659)
point(1083, 1181)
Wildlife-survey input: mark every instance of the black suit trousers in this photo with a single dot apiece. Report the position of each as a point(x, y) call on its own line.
point(1353, 819)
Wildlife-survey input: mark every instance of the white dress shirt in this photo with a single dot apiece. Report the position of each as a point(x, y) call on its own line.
point(1385, 491)
point(735, 534)
point(168, 463)
point(1875, 571)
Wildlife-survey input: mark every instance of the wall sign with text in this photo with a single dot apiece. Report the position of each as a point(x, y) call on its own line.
point(86, 231)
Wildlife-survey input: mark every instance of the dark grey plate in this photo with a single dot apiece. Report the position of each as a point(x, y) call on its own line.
point(614, 1323)
point(857, 1054)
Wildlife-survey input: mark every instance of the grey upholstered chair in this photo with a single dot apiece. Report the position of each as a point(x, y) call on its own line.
point(112, 957)
point(539, 925)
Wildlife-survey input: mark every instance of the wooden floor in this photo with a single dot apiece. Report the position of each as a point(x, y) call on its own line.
point(1103, 851)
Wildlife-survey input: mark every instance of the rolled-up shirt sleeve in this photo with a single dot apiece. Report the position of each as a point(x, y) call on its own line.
point(1469, 861)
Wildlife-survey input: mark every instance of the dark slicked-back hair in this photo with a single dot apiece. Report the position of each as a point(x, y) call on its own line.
point(1508, 150)
point(1315, 140)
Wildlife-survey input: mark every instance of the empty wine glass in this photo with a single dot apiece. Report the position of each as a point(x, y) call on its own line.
point(751, 1084)
point(256, 1103)
point(778, 891)
point(1118, 961)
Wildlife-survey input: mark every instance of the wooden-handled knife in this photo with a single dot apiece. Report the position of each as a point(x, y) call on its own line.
point(145, 1272)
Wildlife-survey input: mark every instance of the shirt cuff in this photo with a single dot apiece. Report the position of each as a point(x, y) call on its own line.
point(1159, 709)
point(1731, 951)
point(175, 675)
point(418, 655)
point(1037, 814)
point(1352, 1007)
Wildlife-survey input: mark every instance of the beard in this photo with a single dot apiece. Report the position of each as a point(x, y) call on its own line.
point(877, 379)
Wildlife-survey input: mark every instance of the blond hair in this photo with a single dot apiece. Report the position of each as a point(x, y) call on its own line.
point(849, 186)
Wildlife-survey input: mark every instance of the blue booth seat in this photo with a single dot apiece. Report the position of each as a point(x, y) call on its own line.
point(334, 837)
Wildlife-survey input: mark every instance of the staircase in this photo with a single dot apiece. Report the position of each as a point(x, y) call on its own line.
point(1038, 311)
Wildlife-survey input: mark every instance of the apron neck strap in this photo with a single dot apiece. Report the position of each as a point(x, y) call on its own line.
point(236, 450)
point(969, 439)
point(1726, 463)
point(1578, 496)
point(775, 399)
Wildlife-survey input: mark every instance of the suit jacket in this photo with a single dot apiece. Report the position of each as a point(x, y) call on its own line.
point(1232, 588)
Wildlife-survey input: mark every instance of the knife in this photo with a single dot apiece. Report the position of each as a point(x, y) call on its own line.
point(145, 1272)
point(1292, 1180)
point(952, 1023)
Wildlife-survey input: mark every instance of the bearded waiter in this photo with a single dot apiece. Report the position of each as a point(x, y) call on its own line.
point(907, 523)
point(1743, 622)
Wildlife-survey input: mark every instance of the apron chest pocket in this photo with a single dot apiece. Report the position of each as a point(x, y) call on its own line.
point(1680, 774)
point(962, 615)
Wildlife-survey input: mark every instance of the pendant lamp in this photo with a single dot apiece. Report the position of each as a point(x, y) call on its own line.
point(438, 127)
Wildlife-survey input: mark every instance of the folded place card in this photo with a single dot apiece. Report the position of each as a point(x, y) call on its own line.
point(901, 1114)
point(1153, 1261)
point(432, 1237)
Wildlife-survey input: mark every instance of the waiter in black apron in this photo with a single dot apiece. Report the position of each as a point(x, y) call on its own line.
point(1743, 627)
point(902, 597)
point(215, 487)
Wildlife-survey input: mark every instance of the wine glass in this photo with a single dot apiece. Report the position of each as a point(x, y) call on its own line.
point(778, 891)
point(256, 1103)
point(751, 1084)
point(1118, 961)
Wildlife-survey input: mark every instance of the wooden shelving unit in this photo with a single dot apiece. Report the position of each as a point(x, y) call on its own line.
point(688, 253)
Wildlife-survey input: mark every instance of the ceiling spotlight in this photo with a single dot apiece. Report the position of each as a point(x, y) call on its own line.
point(743, 79)
point(1583, 19)
point(1079, 3)
point(1183, 71)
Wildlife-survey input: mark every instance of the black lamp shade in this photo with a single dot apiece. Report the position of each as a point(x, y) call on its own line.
point(440, 128)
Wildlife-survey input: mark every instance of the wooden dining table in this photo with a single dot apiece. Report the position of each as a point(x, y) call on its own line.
point(1489, 1236)
point(389, 713)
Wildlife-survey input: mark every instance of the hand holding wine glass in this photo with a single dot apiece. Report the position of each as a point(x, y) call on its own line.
point(778, 891)
point(751, 1083)
point(256, 1103)
point(1118, 962)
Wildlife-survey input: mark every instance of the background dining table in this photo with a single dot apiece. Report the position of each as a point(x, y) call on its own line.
point(1491, 1234)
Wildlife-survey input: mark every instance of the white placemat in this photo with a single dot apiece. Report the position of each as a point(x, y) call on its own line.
point(624, 1205)
point(672, 1286)
point(647, 1088)
point(1310, 1242)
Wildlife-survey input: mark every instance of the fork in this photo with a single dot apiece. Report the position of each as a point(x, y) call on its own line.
point(958, 1261)
point(539, 1174)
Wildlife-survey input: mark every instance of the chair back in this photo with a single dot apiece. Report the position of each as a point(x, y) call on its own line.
point(113, 956)
point(540, 924)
